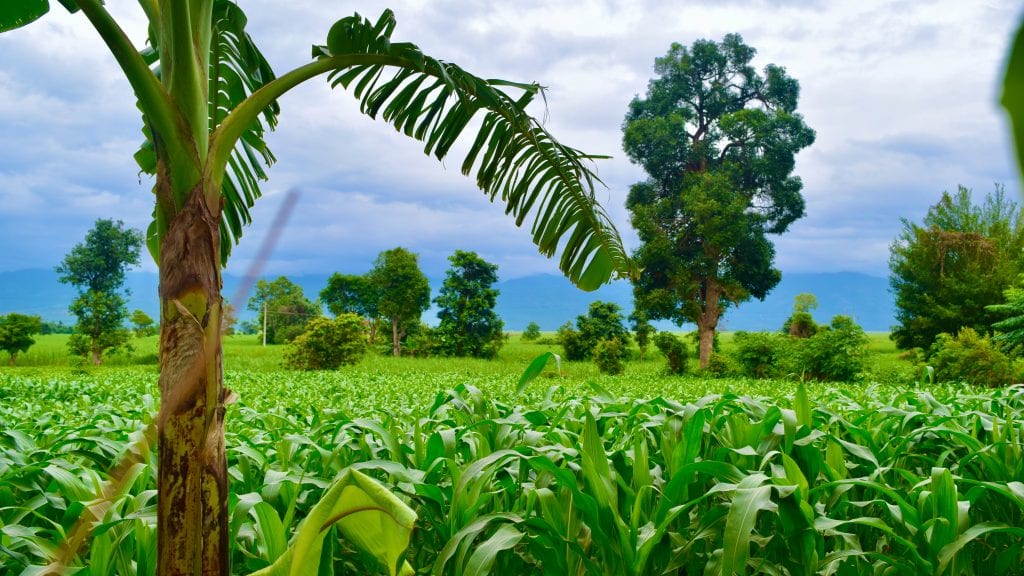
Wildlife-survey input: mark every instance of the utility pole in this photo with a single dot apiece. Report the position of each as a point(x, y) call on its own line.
point(264, 323)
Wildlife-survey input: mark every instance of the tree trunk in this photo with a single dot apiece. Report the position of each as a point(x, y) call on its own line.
point(10, 361)
point(396, 341)
point(97, 354)
point(707, 322)
point(192, 521)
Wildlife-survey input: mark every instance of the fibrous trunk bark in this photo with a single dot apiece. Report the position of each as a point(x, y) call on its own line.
point(192, 476)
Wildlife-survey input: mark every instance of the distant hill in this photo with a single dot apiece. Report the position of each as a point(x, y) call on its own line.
point(548, 300)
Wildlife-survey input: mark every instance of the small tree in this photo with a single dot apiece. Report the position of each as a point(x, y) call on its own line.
point(532, 332)
point(800, 323)
point(643, 330)
point(602, 322)
point(16, 331)
point(356, 294)
point(143, 324)
point(97, 268)
point(327, 344)
point(610, 356)
point(403, 292)
point(674, 350)
point(284, 307)
point(468, 324)
point(229, 319)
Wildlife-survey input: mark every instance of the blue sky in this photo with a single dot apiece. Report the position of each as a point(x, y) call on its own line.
point(903, 96)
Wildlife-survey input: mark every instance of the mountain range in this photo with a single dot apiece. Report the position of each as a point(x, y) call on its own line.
point(548, 300)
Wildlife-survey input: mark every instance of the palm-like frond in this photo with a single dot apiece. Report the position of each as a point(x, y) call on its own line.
point(237, 69)
point(514, 157)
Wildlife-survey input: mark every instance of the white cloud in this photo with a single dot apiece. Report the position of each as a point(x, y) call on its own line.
point(902, 95)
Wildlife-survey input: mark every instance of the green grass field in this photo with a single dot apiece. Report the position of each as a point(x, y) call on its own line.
point(580, 473)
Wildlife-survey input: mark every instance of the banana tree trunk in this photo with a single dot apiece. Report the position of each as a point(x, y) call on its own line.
point(192, 476)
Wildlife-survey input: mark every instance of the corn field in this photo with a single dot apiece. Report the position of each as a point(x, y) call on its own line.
point(922, 479)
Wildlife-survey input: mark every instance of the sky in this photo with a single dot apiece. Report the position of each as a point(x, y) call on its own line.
point(903, 96)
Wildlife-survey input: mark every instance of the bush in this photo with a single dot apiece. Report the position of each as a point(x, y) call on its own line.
point(971, 358)
point(602, 322)
point(837, 352)
point(718, 365)
point(610, 356)
point(763, 354)
point(532, 332)
point(327, 344)
point(800, 325)
point(674, 350)
point(572, 342)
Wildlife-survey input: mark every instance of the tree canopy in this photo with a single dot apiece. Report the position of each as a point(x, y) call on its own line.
point(718, 142)
point(469, 326)
point(947, 270)
point(353, 293)
point(286, 307)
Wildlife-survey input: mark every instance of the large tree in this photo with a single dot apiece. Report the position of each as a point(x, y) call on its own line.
point(207, 95)
point(97, 268)
point(16, 331)
point(283, 309)
point(718, 141)
point(947, 270)
point(403, 292)
point(468, 325)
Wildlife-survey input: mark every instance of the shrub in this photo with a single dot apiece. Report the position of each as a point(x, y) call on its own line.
point(800, 325)
point(763, 354)
point(674, 350)
point(971, 358)
point(837, 352)
point(532, 332)
point(718, 365)
point(327, 344)
point(610, 356)
point(572, 342)
point(602, 322)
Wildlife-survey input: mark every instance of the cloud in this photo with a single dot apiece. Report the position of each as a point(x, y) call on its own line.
point(902, 95)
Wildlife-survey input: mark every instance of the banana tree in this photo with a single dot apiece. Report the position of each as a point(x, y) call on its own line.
point(207, 96)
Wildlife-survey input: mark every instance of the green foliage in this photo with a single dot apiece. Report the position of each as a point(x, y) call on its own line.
point(945, 272)
point(969, 357)
point(468, 323)
point(835, 353)
point(800, 323)
point(717, 141)
point(100, 262)
point(327, 344)
point(16, 331)
point(674, 350)
point(642, 330)
point(610, 356)
point(763, 354)
point(143, 324)
point(833, 480)
point(603, 321)
point(96, 268)
point(1010, 329)
point(532, 332)
point(286, 308)
point(403, 292)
